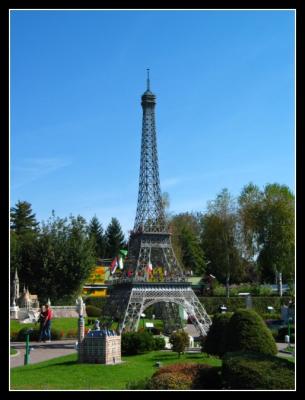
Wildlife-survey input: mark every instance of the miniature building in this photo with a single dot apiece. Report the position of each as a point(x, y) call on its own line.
point(98, 347)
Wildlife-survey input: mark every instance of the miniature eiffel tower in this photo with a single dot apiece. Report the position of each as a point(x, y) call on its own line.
point(150, 249)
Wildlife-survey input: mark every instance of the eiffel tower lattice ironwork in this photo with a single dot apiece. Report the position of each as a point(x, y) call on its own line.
point(150, 249)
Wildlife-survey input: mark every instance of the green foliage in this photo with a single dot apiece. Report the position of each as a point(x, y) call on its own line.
point(95, 301)
point(208, 377)
point(267, 221)
point(170, 381)
point(137, 342)
point(56, 334)
point(159, 343)
point(259, 304)
point(186, 242)
point(219, 237)
point(96, 235)
point(247, 331)
point(179, 341)
point(93, 311)
point(216, 340)
point(257, 371)
point(55, 259)
point(114, 239)
point(22, 218)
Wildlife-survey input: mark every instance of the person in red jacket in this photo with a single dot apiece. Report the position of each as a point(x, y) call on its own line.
point(47, 322)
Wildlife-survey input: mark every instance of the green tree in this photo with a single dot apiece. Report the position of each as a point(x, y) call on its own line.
point(96, 235)
point(179, 341)
point(267, 221)
point(220, 239)
point(23, 237)
point(186, 242)
point(60, 259)
point(22, 218)
point(114, 238)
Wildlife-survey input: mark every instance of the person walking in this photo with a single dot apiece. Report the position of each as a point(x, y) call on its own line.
point(40, 320)
point(47, 322)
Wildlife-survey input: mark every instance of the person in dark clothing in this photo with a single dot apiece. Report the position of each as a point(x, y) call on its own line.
point(40, 320)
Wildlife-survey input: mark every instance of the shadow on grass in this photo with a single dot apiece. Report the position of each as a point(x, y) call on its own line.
point(174, 356)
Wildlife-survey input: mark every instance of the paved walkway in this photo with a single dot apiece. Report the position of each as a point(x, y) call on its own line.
point(42, 351)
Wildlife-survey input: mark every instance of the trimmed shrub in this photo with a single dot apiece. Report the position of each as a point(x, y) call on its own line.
point(257, 371)
point(247, 331)
point(216, 340)
point(170, 381)
point(98, 302)
point(93, 311)
point(208, 377)
point(137, 342)
point(159, 343)
point(259, 304)
point(191, 376)
point(189, 369)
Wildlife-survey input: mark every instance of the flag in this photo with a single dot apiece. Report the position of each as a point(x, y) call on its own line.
point(114, 265)
point(121, 265)
point(123, 253)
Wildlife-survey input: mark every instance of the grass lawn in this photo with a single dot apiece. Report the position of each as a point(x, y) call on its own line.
point(65, 373)
point(13, 351)
point(67, 324)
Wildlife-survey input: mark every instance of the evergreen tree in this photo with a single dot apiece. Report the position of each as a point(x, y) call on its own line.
point(22, 218)
point(114, 238)
point(96, 235)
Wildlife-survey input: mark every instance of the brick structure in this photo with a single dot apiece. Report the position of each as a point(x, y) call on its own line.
point(100, 348)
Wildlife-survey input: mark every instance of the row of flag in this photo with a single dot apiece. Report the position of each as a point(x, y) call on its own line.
point(119, 262)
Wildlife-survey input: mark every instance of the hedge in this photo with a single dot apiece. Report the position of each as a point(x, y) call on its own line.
point(93, 311)
point(256, 371)
point(259, 304)
point(215, 342)
point(34, 335)
point(246, 331)
point(137, 342)
point(98, 302)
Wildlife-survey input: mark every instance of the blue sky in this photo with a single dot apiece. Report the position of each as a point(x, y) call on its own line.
point(225, 115)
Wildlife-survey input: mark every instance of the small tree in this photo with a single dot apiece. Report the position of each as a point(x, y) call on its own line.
point(179, 341)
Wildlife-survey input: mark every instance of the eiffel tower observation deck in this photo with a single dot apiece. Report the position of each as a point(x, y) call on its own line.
point(152, 272)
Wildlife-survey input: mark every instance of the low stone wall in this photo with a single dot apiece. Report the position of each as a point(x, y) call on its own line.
point(66, 312)
point(58, 312)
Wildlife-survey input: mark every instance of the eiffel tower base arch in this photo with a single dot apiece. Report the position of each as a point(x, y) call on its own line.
point(127, 301)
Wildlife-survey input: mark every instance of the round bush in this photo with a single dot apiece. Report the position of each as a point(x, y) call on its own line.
point(93, 311)
point(208, 377)
point(215, 341)
point(257, 371)
point(247, 331)
point(159, 343)
point(173, 381)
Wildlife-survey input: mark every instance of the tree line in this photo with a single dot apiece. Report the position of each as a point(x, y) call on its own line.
point(247, 239)
point(54, 258)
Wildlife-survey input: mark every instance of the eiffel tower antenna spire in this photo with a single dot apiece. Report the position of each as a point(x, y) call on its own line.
point(148, 81)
